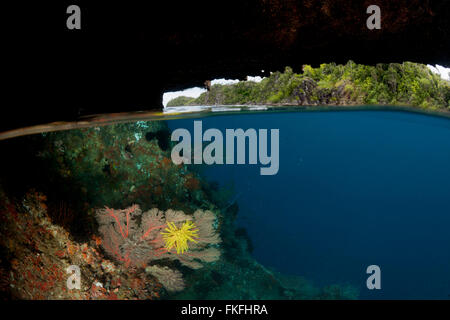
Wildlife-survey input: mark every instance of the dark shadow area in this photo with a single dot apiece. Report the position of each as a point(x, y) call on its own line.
point(125, 56)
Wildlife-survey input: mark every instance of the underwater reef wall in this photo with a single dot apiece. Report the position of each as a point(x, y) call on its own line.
point(175, 239)
point(36, 255)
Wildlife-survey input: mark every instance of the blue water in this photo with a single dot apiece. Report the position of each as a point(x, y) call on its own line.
point(353, 189)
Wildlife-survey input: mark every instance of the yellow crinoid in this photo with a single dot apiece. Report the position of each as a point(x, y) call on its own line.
point(179, 238)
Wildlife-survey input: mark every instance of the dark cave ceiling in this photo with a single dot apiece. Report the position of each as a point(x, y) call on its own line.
point(127, 54)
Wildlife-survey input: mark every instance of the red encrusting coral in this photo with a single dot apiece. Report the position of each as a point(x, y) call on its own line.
point(40, 252)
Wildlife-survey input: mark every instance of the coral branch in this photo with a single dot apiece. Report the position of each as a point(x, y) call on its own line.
point(139, 244)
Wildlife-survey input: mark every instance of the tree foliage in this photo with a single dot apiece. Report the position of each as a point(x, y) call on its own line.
point(407, 83)
point(180, 101)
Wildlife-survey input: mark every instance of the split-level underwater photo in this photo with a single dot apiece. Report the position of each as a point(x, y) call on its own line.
point(229, 159)
point(107, 210)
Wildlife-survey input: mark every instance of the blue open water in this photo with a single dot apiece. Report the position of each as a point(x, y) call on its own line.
point(354, 188)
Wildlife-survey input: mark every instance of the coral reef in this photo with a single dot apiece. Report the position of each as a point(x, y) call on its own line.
point(37, 253)
point(134, 237)
point(172, 280)
point(131, 161)
point(123, 253)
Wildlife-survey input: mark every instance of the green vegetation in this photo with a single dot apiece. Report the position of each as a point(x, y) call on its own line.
point(409, 84)
point(180, 101)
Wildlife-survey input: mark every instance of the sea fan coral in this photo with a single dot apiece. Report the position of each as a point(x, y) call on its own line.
point(136, 238)
point(172, 280)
